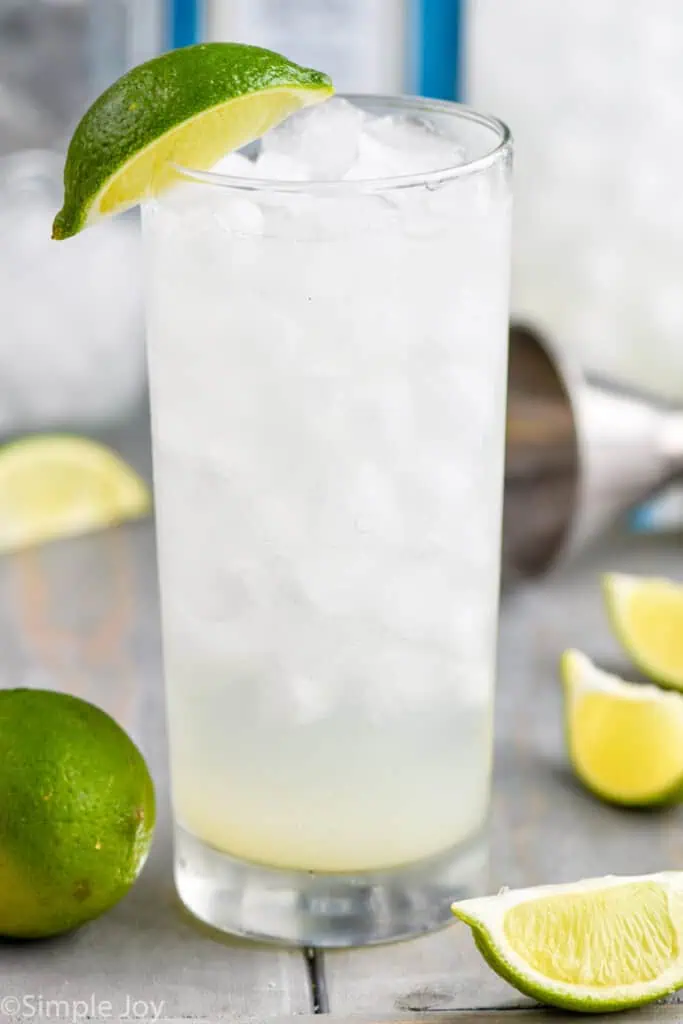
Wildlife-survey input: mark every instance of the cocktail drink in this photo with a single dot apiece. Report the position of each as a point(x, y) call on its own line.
point(327, 331)
point(327, 335)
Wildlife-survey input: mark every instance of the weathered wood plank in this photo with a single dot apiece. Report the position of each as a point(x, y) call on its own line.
point(437, 972)
point(649, 1015)
point(82, 616)
point(545, 827)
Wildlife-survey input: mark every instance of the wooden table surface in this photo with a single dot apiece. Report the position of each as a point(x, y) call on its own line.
point(82, 616)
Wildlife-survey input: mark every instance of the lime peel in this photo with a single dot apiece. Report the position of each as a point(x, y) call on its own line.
point(185, 108)
point(78, 812)
point(633, 957)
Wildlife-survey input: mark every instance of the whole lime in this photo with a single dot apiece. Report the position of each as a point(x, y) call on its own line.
point(76, 812)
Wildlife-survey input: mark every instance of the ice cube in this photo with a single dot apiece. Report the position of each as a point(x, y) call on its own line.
point(373, 161)
point(324, 139)
point(72, 311)
point(269, 164)
point(394, 146)
point(280, 167)
point(236, 165)
point(239, 215)
point(199, 203)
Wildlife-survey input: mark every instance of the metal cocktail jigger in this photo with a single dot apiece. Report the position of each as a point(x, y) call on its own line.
point(580, 451)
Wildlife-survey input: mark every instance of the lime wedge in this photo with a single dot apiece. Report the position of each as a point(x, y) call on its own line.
point(625, 740)
point(186, 108)
point(647, 618)
point(59, 486)
point(597, 945)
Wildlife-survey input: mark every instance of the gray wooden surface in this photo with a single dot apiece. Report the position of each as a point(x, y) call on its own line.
point(82, 616)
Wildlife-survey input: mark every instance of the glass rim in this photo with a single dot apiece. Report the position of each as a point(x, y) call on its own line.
point(461, 111)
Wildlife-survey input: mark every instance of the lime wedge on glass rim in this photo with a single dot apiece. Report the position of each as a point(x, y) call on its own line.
point(186, 108)
point(595, 946)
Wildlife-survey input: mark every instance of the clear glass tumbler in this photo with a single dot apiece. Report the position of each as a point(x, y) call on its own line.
point(328, 380)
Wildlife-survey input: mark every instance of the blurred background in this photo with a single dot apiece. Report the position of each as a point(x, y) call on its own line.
point(593, 92)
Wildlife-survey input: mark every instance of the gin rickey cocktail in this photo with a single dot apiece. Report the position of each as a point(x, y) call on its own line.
point(327, 353)
point(327, 335)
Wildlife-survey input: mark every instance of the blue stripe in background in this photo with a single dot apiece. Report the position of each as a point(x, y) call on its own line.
point(643, 519)
point(183, 26)
point(441, 43)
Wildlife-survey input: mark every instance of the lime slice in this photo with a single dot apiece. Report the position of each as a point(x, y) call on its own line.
point(647, 617)
point(597, 945)
point(186, 108)
point(625, 740)
point(59, 486)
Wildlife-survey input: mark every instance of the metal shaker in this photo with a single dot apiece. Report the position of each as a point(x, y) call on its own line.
point(580, 451)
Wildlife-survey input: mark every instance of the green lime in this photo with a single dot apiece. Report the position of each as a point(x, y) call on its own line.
point(76, 813)
point(186, 108)
point(595, 946)
point(625, 740)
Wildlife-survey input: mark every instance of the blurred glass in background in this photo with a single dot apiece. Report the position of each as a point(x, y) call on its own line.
point(72, 337)
point(593, 90)
point(374, 46)
point(359, 43)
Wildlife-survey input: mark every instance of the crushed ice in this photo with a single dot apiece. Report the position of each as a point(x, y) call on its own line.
point(336, 141)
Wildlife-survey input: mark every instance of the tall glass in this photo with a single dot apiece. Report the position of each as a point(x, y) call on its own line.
point(328, 380)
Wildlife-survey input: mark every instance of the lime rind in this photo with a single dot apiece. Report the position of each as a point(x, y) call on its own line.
point(580, 676)
point(579, 673)
point(617, 589)
point(486, 918)
point(79, 810)
point(160, 97)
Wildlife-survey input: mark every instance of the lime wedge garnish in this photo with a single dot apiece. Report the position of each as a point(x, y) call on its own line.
point(186, 108)
point(598, 945)
point(647, 617)
point(60, 486)
point(625, 740)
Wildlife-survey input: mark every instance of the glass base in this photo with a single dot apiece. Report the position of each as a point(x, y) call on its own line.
point(305, 909)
